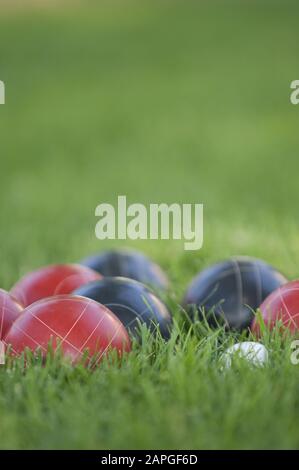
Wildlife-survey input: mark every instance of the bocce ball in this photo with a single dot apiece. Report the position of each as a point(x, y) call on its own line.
point(10, 309)
point(128, 263)
point(229, 292)
point(254, 353)
point(74, 324)
point(282, 305)
point(131, 302)
point(52, 280)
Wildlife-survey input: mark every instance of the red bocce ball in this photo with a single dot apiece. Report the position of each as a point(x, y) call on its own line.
point(10, 309)
point(73, 323)
point(281, 305)
point(51, 280)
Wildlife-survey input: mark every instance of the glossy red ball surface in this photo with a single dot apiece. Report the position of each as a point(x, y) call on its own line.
point(281, 305)
point(51, 280)
point(10, 309)
point(74, 323)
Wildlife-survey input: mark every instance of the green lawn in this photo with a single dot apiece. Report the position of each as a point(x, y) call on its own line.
point(170, 101)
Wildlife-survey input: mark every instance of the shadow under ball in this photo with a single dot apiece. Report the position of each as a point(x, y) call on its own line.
point(128, 263)
point(132, 302)
point(229, 292)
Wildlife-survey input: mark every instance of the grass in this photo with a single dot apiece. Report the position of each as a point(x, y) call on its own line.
point(163, 102)
point(173, 395)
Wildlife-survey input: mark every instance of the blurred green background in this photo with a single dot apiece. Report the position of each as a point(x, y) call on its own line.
point(162, 101)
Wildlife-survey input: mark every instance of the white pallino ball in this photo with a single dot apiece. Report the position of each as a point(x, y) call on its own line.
point(255, 353)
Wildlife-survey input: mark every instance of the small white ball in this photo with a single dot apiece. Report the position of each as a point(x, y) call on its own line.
point(253, 352)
